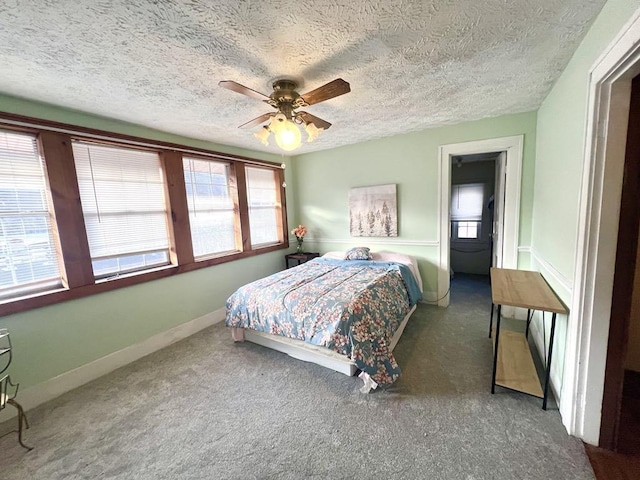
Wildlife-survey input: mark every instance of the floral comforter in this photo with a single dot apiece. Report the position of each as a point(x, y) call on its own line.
point(351, 307)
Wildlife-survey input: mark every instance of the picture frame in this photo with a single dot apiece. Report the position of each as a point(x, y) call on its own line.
point(373, 211)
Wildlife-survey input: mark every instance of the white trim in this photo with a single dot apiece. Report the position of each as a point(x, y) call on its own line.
point(564, 288)
point(43, 392)
point(373, 241)
point(549, 271)
point(605, 142)
point(523, 249)
point(429, 298)
point(513, 146)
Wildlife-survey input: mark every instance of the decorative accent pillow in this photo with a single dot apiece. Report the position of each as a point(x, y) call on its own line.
point(358, 253)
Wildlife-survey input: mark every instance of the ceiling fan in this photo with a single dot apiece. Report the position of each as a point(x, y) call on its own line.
point(286, 100)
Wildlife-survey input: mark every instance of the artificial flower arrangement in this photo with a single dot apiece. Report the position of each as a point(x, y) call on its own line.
point(300, 231)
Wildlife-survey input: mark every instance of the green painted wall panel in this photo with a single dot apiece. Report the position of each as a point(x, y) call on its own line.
point(561, 144)
point(323, 180)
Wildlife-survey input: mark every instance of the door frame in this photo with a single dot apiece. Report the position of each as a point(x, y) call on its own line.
point(513, 146)
point(605, 145)
point(623, 280)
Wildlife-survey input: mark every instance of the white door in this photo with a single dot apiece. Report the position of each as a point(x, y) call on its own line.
point(497, 233)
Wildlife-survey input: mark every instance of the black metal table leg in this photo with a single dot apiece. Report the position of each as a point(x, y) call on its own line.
point(491, 319)
point(495, 352)
point(546, 380)
point(529, 318)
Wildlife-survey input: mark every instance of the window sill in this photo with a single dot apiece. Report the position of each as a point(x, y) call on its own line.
point(43, 299)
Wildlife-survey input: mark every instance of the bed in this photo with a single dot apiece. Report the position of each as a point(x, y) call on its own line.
point(341, 311)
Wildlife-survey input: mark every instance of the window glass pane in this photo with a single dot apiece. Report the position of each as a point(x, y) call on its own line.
point(211, 207)
point(468, 229)
point(28, 260)
point(467, 201)
point(264, 209)
point(122, 194)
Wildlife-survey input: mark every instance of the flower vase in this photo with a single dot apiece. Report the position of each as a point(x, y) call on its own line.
point(299, 249)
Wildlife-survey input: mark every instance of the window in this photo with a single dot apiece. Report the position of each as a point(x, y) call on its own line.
point(123, 202)
point(467, 202)
point(28, 261)
point(147, 210)
point(467, 229)
point(211, 207)
point(264, 206)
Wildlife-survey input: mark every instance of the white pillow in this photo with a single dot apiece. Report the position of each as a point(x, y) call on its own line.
point(334, 255)
point(407, 260)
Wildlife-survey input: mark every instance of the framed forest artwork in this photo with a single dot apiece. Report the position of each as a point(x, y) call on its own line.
point(373, 211)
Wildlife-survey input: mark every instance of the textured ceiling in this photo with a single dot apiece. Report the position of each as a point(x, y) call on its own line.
point(412, 64)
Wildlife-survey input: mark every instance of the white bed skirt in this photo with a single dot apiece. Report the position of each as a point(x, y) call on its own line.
point(314, 353)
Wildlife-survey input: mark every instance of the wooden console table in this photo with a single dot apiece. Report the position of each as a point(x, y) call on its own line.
point(513, 366)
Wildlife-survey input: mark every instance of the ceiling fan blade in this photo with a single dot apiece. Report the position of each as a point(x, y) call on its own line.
point(330, 90)
point(236, 87)
point(308, 118)
point(257, 121)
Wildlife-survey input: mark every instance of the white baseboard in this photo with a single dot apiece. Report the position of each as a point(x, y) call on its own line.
point(48, 390)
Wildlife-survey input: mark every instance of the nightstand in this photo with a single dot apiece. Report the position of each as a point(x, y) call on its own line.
point(299, 258)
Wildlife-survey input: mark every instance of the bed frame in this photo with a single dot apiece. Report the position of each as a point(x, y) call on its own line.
point(314, 353)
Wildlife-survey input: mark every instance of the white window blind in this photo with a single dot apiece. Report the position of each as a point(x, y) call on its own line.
point(123, 202)
point(264, 210)
point(467, 202)
point(211, 207)
point(28, 261)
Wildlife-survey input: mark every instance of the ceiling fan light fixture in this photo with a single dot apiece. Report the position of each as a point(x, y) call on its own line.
point(263, 135)
point(285, 99)
point(312, 131)
point(287, 133)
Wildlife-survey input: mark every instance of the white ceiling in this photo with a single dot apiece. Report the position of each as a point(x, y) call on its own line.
point(412, 64)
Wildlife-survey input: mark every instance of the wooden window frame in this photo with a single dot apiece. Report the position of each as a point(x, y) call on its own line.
point(54, 140)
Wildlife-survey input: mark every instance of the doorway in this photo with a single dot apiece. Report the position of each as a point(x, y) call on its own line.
point(476, 224)
point(507, 156)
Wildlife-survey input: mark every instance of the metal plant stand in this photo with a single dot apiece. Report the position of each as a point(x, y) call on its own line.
point(9, 390)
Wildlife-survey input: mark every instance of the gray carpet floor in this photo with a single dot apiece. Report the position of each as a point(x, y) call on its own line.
point(206, 408)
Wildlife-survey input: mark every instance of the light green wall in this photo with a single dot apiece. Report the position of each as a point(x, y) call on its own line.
point(52, 340)
point(561, 143)
point(559, 164)
point(323, 180)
